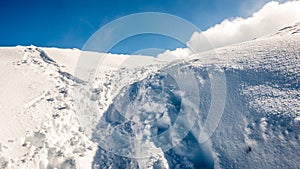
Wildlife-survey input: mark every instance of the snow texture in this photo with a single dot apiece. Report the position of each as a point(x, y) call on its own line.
point(42, 127)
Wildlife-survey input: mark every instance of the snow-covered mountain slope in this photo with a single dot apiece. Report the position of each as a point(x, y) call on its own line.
point(40, 128)
point(289, 30)
point(260, 124)
point(43, 127)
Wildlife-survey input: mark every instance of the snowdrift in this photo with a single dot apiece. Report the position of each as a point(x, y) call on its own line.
point(41, 126)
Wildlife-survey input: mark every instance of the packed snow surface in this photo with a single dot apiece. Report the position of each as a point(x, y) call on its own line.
point(42, 125)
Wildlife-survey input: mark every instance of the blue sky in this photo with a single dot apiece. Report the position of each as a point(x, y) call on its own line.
point(69, 23)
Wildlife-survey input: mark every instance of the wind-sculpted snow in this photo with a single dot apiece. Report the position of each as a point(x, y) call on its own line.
point(259, 127)
point(252, 132)
point(139, 117)
point(146, 113)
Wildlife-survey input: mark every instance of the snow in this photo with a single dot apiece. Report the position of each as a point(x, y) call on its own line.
point(44, 126)
point(20, 88)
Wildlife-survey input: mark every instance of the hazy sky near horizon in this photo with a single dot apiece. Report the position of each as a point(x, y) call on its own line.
point(69, 24)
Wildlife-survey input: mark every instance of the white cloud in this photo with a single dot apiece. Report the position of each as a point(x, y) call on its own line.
point(177, 53)
point(268, 19)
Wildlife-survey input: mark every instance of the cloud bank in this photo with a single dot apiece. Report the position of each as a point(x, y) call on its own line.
point(270, 18)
